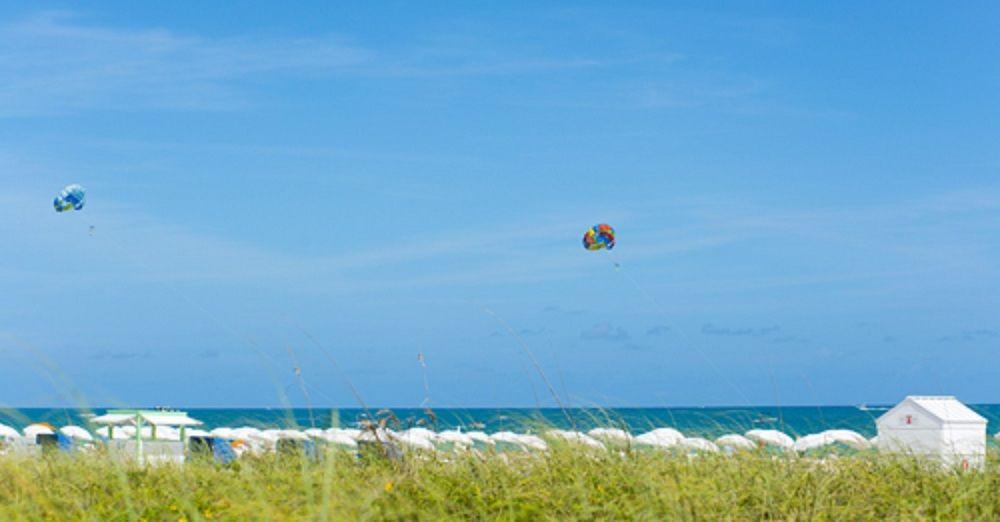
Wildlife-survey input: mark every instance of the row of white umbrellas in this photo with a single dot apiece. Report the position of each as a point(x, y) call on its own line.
point(425, 439)
point(34, 430)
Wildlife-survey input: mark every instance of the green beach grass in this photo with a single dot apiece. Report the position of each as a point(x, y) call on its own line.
point(564, 483)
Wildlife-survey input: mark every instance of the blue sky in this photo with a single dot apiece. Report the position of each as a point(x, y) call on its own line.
point(807, 200)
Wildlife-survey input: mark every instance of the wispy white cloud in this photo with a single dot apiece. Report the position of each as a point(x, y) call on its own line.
point(59, 61)
point(475, 61)
point(55, 62)
point(696, 90)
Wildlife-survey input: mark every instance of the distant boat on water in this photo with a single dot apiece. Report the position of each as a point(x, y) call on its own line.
point(865, 407)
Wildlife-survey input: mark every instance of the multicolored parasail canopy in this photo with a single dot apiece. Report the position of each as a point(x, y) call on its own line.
point(72, 197)
point(599, 237)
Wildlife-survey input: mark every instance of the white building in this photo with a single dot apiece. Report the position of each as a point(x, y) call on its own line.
point(939, 427)
point(143, 444)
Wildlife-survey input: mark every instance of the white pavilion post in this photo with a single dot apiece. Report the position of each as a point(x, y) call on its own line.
point(138, 437)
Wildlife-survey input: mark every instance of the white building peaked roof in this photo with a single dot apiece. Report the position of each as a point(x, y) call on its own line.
point(154, 417)
point(170, 419)
point(944, 408)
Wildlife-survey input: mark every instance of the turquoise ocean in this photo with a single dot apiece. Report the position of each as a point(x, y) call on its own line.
point(707, 422)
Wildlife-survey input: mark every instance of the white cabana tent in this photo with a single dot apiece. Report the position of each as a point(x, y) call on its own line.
point(340, 439)
point(481, 437)
point(735, 442)
point(290, 434)
point(849, 438)
point(422, 433)
point(455, 439)
point(771, 438)
point(351, 433)
point(611, 435)
point(575, 437)
point(698, 444)
point(32, 431)
point(224, 433)
point(660, 438)
point(414, 440)
point(939, 427)
point(519, 441)
point(814, 441)
point(533, 442)
point(507, 438)
point(77, 433)
point(8, 433)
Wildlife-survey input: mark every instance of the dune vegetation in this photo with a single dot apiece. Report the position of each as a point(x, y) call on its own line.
point(565, 482)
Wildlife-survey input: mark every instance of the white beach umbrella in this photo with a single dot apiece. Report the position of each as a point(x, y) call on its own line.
point(698, 444)
point(456, 438)
point(315, 433)
point(481, 437)
point(293, 435)
point(259, 440)
point(415, 439)
point(224, 433)
point(341, 439)
point(76, 432)
point(533, 442)
point(575, 437)
point(522, 441)
point(265, 435)
point(735, 441)
point(812, 441)
point(874, 440)
point(423, 433)
point(8, 433)
point(507, 437)
point(246, 433)
point(196, 433)
point(34, 430)
point(771, 438)
point(376, 435)
point(660, 438)
point(849, 438)
point(611, 435)
point(351, 433)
